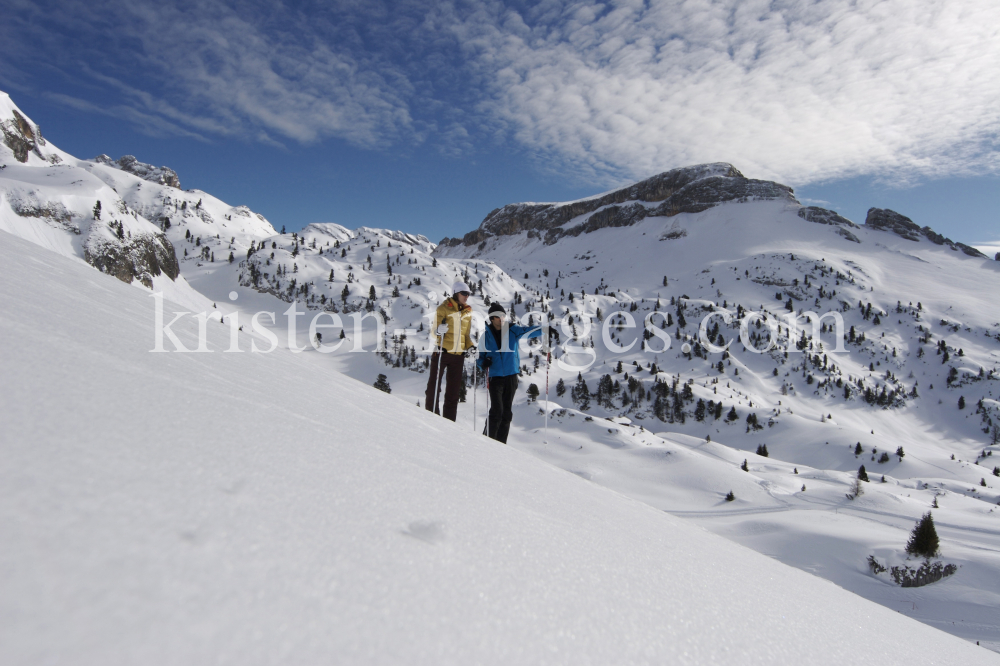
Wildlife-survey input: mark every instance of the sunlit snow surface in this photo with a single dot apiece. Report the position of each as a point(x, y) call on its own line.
point(249, 508)
point(265, 405)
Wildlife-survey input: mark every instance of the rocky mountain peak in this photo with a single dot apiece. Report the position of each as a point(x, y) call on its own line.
point(160, 175)
point(690, 189)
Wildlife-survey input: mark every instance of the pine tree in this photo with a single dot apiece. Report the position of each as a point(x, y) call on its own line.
point(382, 384)
point(900, 453)
point(961, 402)
point(858, 450)
point(862, 474)
point(744, 466)
point(97, 210)
point(532, 393)
point(581, 393)
point(730, 496)
point(762, 450)
point(923, 539)
point(560, 388)
point(732, 415)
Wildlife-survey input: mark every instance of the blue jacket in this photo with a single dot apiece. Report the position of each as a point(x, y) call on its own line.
point(504, 363)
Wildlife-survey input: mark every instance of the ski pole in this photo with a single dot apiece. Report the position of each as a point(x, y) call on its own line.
point(475, 393)
point(548, 364)
point(437, 384)
point(486, 427)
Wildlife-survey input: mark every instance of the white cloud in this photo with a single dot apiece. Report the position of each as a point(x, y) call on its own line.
point(796, 91)
point(259, 70)
point(149, 124)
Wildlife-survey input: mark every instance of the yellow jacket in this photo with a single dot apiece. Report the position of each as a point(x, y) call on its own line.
point(458, 318)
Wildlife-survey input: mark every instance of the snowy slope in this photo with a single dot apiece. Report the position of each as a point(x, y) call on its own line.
point(292, 516)
point(761, 255)
point(756, 250)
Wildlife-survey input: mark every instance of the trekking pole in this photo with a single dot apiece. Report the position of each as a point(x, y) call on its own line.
point(437, 384)
point(486, 427)
point(548, 364)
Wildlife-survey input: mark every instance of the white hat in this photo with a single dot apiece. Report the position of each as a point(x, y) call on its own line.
point(459, 286)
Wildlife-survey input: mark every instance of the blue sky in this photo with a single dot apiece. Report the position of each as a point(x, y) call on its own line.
point(426, 116)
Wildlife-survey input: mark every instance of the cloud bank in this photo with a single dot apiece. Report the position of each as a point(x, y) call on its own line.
point(793, 90)
point(796, 91)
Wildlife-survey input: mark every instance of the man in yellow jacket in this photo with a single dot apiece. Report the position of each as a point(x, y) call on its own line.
point(452, 331)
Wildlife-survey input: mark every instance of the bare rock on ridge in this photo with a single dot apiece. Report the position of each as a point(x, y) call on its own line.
point(686, 190)
point(160, 175)
point(884, 219)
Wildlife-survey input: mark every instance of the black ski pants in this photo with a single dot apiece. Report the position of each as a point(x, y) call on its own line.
point(450, 367)
point(501, 399)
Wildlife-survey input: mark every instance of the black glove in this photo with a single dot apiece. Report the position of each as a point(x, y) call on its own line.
point(487, 362)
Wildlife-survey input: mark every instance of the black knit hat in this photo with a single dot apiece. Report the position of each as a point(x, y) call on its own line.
point(496, 307)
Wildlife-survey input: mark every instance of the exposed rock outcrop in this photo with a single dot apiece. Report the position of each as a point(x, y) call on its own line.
point(21, 136)
point(141, 257)
point(687, 190)
point(884, 219)
point(161, 175)
point(824, 216)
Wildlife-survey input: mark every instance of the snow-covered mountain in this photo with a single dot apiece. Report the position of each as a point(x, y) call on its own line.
point(920, 369)
point(254, 509)
point(69, 206)
point(672, 427)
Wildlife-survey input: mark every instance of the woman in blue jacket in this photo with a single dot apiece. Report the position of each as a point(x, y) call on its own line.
point(504, 365)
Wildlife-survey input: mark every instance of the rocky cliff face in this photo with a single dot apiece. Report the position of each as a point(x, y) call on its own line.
point(160, 175)
point(141, 257)
point(687, 190)
point(884, 219)
point(21, 136)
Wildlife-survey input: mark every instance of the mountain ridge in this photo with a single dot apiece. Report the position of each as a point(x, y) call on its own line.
point(691, 189)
